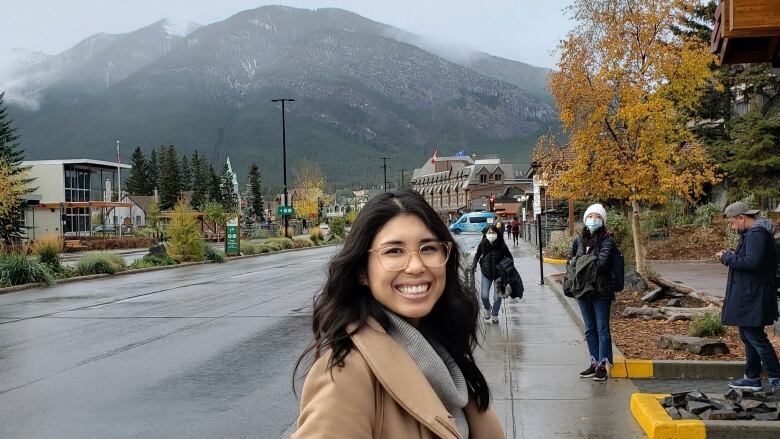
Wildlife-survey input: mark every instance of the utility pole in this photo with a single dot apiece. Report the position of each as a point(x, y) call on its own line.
point(384, 167)
point(403, 180)
point(287, 202)
point(119, 185)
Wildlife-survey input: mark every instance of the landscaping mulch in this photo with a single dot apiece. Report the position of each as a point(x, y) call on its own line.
point(688, 243)
point(636, 337)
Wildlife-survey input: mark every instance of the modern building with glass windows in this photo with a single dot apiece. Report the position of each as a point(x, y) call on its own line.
point(75, 197)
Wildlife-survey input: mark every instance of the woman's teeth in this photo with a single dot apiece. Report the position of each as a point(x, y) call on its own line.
point(417, 289)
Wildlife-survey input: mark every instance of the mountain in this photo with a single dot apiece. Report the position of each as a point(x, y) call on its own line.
point(360, 94)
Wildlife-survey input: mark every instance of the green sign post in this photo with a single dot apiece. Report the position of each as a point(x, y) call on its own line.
point(232, 244)
point(285, 211)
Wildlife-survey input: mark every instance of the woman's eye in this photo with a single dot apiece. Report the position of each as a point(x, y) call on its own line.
point(431, 248)
point(393, 251)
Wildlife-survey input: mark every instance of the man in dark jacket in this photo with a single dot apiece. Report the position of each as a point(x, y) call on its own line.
point(751, 303)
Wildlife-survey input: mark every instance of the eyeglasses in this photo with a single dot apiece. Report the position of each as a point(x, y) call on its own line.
point(395, 258)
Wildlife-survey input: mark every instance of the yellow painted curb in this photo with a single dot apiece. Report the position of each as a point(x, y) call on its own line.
point(555, 261)
point(625, 368)
point(657, 424)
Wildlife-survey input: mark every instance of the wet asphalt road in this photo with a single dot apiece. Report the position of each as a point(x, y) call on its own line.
point(197, 352)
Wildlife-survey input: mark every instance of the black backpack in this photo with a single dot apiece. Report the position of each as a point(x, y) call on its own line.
point(618, 271)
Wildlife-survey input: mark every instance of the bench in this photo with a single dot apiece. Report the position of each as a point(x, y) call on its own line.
point(74, 244)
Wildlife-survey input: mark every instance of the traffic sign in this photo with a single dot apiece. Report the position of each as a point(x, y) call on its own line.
point(232, 237)
point(285, 211)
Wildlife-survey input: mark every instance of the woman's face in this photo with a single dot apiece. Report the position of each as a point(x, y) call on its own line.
point(412, 292)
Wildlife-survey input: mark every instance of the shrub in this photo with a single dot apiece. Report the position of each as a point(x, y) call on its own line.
point(109, 263)
point(48, 250)
point(290, 232)
point(315, 234)
point(212, 254)
point(282, 243)
point(707, 326)
point(184, 243)
point(265, 249)
point(250, 248)
point(259, 234)
point(704, 215)
point(559, 246)
point(149, 261)
point(16, 269)
point(302, 243)
point(337, 226)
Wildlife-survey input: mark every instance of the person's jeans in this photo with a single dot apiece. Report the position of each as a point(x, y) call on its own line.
point(758, 350)
point(515, 237)
point(485, 293)
point(595, 315)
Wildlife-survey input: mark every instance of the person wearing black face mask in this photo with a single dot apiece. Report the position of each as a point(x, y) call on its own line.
point(751, 301)
point(491, 250)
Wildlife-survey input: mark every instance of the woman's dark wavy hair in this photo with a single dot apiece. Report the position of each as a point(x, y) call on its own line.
point(344, 299)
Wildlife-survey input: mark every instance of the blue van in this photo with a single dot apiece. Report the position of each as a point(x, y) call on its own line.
point(473, 222)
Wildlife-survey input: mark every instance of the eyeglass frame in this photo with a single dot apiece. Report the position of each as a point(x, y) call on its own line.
point(447, 244)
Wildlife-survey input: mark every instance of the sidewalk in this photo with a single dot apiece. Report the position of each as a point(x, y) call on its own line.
point(531, 360)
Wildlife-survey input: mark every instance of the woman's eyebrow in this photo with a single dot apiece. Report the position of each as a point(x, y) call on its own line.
point(398, 242)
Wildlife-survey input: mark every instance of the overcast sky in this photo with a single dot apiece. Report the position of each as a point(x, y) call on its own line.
point(523, 30)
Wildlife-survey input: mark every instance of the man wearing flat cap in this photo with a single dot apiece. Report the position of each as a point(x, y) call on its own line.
point(751, 302)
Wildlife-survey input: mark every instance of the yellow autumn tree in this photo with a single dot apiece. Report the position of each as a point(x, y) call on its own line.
point(12, 189)
point(309, 185)
point(625, 86)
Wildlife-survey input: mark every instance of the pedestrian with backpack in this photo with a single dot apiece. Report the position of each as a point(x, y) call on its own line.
point(491, 250)
point(515, 231)
point(590, 281)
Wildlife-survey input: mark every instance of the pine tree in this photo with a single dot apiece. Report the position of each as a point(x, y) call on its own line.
point(215, 187)
point(153, 171)
point(11, 156)
point(186, 174)
point(170, 178)
point(138, 181)
point(184, 241)
point(229, 196)
point(200, 183)
point(256, 193)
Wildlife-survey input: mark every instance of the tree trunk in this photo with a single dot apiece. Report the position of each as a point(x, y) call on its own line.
point(639, 249)
point(670, 314)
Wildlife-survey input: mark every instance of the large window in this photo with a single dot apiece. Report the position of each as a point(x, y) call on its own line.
point(76, 220)
point(76, 184)
point(483, 178)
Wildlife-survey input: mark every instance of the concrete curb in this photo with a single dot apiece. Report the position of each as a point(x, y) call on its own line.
point(658, 369)
point(657, 424)
point(16, 288)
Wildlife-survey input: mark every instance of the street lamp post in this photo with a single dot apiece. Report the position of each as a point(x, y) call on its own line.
point(384, 167)
point(284, 159)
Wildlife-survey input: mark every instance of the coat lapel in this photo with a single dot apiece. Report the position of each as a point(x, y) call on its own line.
point(400, 376)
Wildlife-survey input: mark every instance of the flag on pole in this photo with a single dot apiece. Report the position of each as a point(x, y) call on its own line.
point(461, 153)
point(433, 159)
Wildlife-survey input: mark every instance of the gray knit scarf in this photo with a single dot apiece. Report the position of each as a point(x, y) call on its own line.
point(438, 367)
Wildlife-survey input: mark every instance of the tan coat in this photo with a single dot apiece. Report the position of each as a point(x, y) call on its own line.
point(380, 393)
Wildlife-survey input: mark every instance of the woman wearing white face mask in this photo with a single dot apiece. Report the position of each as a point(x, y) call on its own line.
point(595, 304)
point(490, 252)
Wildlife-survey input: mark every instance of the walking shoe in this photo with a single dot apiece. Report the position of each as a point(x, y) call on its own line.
point(774, 384)
point(601, 374)
point(752, 384)
point(495, 319)
point(589, 372)
point(486, 314)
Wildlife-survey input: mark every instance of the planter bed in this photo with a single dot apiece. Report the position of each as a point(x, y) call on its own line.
point(635, 337)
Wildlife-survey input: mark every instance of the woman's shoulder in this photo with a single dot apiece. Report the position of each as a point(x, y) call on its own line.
point(352, 369)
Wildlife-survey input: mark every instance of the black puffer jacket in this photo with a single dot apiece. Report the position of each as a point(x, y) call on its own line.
point(489, 255)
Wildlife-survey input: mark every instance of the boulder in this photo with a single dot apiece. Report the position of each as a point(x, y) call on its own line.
point(158, 251)
point(694, 345)
point(673, 303)
point(635, 282)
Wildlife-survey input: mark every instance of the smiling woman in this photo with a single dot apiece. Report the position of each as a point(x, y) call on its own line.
point(394, 332)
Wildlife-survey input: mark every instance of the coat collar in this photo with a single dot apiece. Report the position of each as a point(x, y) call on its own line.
point(400, 376)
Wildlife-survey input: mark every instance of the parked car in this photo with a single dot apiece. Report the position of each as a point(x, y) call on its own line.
point(472, 222)
point(105, 228)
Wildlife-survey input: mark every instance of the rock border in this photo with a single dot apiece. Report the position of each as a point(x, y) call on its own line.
point(658, 369)
point(656, 423)
point(16, 288)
